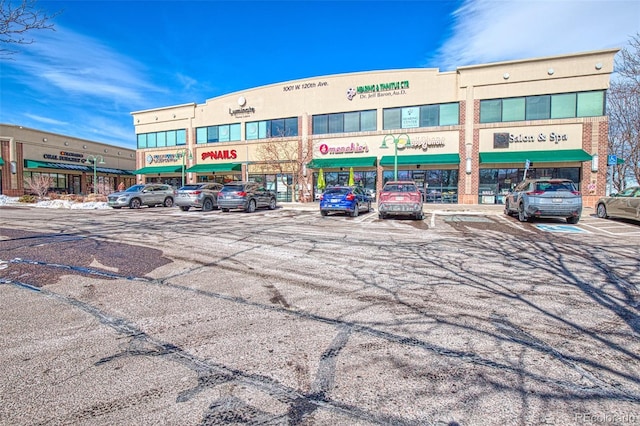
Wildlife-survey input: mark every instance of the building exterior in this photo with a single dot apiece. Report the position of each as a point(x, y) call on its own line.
point(72, 163)
point(465, 136)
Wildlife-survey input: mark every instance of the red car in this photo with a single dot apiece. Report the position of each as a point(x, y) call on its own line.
point(400, 198)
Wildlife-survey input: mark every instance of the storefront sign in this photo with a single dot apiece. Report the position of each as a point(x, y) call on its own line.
point(242, 112)
point(502, 140)
point(354, 148)
point(162, 158)
point(425, 142)
point(65, 156)
point(378, 90)
point(223, 154)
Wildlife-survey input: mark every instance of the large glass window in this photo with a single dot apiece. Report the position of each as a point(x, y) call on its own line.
point(563, 105)
point(591, 104)
point(513, 109)
point(449, 114)
point(221, 133)
point(278, 128)
point(420, 116)
point(491, 111)
point(538, 107)
point(351, 122)
point(341, 122)
point(162, 139)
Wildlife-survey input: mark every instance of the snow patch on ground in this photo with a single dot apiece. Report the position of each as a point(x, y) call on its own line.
point(55, 204)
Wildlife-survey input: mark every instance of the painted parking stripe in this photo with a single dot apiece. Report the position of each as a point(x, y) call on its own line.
point(563, 228)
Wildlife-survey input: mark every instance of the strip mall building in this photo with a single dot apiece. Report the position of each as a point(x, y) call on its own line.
point(465, 136)
point(71, 163)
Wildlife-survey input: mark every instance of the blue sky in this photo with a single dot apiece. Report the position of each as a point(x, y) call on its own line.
point(108, 58)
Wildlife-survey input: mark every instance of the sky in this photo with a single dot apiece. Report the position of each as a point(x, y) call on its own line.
point(106, 59)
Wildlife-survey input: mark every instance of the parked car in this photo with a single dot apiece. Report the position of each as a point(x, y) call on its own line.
point(151, 194)
point(400, 198)
point(247, 196)
point(202, 195)
point(345, 199)
point(537, 198)
point(625, 204)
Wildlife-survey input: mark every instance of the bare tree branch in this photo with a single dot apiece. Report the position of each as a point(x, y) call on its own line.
point(623, 108)
point(16, 20)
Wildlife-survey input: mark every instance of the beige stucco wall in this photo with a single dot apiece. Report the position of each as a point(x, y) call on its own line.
point(468, 85)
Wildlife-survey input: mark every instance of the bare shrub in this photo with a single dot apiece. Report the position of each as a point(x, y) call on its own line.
point(38, 185)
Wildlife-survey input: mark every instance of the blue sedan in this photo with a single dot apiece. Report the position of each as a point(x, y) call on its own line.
point(345, 199)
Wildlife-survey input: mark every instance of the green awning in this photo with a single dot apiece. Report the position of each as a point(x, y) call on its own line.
point(1, 161)
point(34, 164)
point(389, 160)
point(212, 168)
point(334, 163)
point(157, 169)
point(535, 156)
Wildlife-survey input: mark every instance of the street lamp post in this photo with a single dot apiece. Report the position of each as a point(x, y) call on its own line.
point(182, 153)
point(93, 159)
point(402, 140)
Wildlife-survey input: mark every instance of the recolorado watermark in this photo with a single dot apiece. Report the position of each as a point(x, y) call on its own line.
point(607, 418)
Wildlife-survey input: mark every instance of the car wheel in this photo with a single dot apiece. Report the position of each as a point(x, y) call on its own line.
point(207, 205)
point(323, 212)
point(356, 211)
point(522, 216)
point(368, 206)
point(573, 219)
point(184, 208)
point(168, 202)
point(272, 204)
point(225, 210)
point(382, 216)
point(601, 211)
point(134, 203)
point(251, 207)
point(419, 216)
point(507, 210)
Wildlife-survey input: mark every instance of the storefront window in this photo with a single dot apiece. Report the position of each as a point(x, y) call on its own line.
point(495, 183)
point(437, 186)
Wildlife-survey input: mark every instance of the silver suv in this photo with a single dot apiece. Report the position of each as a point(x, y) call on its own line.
point(202, 195)
point(151, 194)
point(535, 198)
point(247, 196)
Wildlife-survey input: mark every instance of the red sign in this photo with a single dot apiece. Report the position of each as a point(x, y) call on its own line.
point(223, 154)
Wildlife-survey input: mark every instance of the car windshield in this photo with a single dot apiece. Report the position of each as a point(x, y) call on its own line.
point(400, 188)
point(554, 186)
point(135, 188)
point(337, 191)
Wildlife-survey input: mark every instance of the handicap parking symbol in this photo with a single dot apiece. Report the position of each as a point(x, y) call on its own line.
point(562, 228)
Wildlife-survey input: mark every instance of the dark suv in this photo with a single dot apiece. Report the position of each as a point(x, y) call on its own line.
point(247, 196)
point(202, 195)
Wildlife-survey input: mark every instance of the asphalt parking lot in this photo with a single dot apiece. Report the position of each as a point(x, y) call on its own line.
point(469, 317)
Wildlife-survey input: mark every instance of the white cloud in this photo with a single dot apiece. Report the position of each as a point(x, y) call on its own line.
point(78, 65)
point(45, 120)
point(490, 30)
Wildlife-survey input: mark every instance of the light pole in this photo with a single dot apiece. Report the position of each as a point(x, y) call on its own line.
point(404, 141)
point(93, 159)
point(182, 153)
